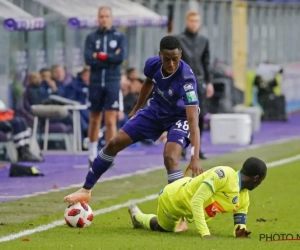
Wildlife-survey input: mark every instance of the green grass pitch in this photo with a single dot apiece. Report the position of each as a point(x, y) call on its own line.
point(276, 201)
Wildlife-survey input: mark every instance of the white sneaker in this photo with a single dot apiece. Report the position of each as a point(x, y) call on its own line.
point(133, 210)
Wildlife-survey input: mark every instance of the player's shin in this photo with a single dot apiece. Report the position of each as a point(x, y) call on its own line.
point(100, 165)
point(145, 219)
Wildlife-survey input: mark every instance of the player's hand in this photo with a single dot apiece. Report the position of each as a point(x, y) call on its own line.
point(209, 236)
point(195, 167)
point(95, 55)
point(242, 233)
point(209, 90)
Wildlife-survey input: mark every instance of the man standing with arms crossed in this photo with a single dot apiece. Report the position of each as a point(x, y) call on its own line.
point(196, 53)
point(105, 50)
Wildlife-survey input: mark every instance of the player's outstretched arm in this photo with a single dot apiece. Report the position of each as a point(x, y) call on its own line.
point(197, 204)
point(240, 217)
point(191, 102)
point(213, 182)
point(193, 119)
point(145, 92)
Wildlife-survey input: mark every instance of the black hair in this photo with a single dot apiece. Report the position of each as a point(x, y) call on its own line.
point(169, 43)
point(254, 166)
point(44, 70)
point(129, 70)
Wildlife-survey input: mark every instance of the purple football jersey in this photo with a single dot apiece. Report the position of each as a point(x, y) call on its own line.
point(171, 94)
point(166, 111)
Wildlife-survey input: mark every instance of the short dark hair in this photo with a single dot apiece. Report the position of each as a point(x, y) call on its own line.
point(44, 70)
point(254, 166)
point(129, 70)
point(169, 43)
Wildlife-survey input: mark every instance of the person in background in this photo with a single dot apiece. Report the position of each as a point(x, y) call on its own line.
point(125, 84)
point(136, 85)
point(129, 99)
point(21, 134)
point(265, 80)
point(196, 53)
point(79, 89)
point(45, 74)
point(132, 73)
point(37, 94)
point(105, 50)
point(34, 94)
point(53, 81)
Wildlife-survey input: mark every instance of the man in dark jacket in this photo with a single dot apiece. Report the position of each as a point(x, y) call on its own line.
point(195, 52)
point(53, 82)
point(79, 93)
point(104, 52)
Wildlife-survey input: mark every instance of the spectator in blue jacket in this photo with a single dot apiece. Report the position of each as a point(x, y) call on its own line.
point(35, 94)
point(53, 81)
point(38, 94)
point(105, 50)
point(79, 88)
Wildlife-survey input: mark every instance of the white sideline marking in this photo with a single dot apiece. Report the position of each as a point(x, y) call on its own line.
point(117, 207)
point(283, 161)
point(279, 141)
point(105, 179)
point(139, 172)
point(62, 222)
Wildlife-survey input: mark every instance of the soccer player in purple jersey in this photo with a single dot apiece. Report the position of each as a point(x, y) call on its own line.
point(173, 108)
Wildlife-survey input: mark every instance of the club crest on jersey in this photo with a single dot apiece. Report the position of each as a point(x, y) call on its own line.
point(170, 91)
point(220, 173)
point(235, 200)
point(113, 44)
point(188, 87)
point(97, 44)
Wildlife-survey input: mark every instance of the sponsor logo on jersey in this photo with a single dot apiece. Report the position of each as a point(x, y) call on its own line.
point(235, 199)
point(220, 173)
point(214, 208)
point(188, 87)
point(191, 96)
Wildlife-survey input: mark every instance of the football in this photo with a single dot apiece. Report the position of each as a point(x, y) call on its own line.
point(79, 215)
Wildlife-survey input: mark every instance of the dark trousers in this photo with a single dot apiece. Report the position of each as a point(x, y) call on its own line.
point(21, 133)
point(201, 89)
point(84, 120)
